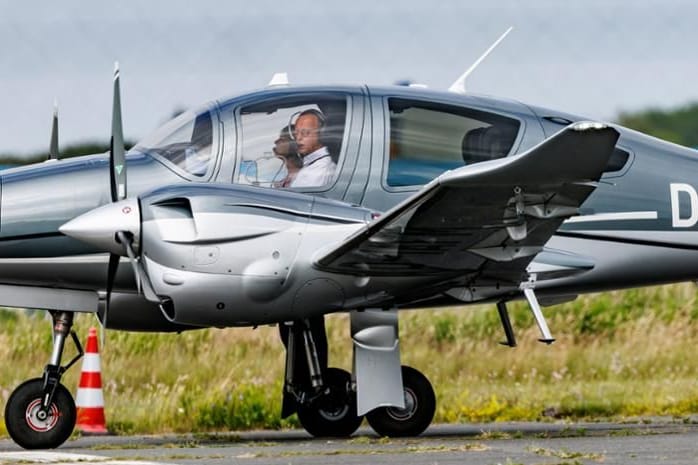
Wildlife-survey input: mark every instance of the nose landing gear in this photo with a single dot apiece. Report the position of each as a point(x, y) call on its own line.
point(33, 427)
point(41, 413)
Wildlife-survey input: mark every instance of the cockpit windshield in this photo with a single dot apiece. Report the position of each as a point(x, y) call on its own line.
point(186, 142)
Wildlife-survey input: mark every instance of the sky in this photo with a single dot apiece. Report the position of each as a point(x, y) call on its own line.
point(593, 58)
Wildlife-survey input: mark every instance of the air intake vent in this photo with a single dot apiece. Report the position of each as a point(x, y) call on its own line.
point(617, 161)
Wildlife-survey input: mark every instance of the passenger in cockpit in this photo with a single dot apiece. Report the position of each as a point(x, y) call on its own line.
point(318, 168)
point(286, 150)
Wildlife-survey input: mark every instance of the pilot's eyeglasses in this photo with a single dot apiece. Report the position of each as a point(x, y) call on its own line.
point(305, 132)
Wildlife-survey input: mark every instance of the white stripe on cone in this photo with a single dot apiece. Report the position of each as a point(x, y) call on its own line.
point(89, 397)
point(91, 363)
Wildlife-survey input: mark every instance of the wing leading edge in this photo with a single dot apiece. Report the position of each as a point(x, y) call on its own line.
point(482, 223)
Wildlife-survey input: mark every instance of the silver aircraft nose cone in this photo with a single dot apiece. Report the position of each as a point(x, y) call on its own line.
point(98, 227)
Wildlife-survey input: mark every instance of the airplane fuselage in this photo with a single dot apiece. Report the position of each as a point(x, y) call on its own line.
point(637, 228)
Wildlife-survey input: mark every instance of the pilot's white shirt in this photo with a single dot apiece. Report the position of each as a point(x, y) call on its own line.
point(318, 169)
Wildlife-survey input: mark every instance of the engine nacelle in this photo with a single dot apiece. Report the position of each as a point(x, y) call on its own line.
point(222, 255)
point(132, 312)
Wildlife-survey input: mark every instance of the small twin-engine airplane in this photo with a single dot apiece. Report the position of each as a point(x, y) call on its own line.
point(289, 203)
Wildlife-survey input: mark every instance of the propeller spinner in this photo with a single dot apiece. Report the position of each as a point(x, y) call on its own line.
point(101, 227)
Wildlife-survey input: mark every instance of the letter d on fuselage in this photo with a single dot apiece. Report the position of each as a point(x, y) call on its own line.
point(676, 220)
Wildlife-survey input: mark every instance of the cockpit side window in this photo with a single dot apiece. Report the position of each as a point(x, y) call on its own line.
point(185, 142)
point(428, 138)
point(292, 142)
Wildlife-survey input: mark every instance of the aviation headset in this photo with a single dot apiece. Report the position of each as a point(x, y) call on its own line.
point(321, 119)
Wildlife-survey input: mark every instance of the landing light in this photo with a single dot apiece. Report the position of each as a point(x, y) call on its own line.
point(587, 125)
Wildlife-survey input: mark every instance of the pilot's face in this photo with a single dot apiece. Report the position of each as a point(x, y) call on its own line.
point(306, 134)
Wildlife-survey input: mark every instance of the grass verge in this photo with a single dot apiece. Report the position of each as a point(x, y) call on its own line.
point(617, 354)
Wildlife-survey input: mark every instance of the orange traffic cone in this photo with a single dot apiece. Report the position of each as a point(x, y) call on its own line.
point(90, 400)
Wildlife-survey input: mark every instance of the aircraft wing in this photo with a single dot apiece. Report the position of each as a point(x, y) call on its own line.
point(485, 222)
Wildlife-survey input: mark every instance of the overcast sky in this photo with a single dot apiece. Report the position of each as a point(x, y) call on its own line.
point(595, 57)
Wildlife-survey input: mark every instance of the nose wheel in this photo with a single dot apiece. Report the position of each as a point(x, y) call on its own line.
point(33, 427)
point(41, 413)
point(420, 405)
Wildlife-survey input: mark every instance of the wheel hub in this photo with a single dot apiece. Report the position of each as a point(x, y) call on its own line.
point(334, 406)
point(411, 404)
point(38, 419)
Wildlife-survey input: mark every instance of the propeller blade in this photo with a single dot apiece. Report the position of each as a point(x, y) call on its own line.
point(142, 280)
point(111, 276)
point(148, 291)
point(53, 148)
point(124, 239)
point(117, 158)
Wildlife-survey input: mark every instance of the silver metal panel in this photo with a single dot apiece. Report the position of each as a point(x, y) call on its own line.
point(82, 272)
point(210, 299)
point(228, 244)
point(37, 199)
point(377, 360)
point(132, 312)
point(44, 298)
point(621, 265)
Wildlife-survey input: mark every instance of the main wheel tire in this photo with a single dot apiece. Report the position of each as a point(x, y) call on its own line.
point(334, 414)
point(420, 405)
point(25, 422)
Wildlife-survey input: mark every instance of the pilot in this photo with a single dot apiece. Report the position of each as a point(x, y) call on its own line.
point(318, 167)
point(286, 150)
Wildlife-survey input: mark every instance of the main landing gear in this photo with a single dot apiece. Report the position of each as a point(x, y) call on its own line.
point(322, 397)
point(420, 405)
point(325, 398)
point(40, 413)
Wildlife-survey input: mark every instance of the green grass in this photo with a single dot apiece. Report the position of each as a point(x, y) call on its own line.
point(617, 355)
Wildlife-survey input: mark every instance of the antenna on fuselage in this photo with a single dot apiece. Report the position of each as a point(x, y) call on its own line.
point(459, 85)
point(278, 79)
point(53, 147)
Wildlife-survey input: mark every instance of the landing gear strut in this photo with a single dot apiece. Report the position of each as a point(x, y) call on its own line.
point(40, 413)
point(323, 397)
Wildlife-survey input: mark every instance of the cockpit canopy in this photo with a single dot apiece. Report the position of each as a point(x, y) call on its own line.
point(300, 140)
point(184, 143)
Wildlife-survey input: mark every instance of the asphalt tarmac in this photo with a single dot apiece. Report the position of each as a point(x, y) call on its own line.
point(666, 441)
